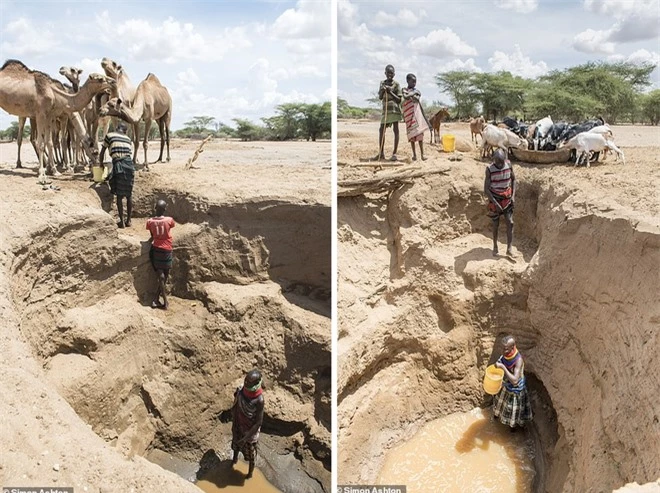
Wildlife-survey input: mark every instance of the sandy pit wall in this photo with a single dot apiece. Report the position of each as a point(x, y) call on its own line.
point(78, 335)
point(419, 319)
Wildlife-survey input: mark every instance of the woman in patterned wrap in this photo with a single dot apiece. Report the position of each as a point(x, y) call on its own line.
point(511, 404)
point(247, 417)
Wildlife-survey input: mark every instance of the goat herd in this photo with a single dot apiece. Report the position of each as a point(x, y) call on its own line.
point(591, 136)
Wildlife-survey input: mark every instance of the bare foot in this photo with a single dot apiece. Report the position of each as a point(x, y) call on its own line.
point(414, 158)
point(120, 225)
point(424, 158)
point(128, 223)
point(248, 475)
point(496, 253)
point(509, 252)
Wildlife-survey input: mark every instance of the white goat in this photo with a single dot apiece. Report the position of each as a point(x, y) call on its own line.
point(493, 136)
point(588, 142)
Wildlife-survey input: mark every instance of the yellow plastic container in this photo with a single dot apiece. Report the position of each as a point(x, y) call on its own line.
point(448, 143)
point(493, 380)
point(98, 172)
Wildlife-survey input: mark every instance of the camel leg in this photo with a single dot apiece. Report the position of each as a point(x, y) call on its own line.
point(136, 144)
point(41, 148)
point(161, 130)
point(19, 139)
point(145, 142)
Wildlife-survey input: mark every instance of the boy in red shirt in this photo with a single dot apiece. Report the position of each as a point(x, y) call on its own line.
point(160, 253)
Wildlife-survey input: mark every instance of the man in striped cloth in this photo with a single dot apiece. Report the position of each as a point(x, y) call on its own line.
point(413, 115)
point(247, 418)
point(500, 188)
point(123, 172)
point(161, 250)
point(511, 404)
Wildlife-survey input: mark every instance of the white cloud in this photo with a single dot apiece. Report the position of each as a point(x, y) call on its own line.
point(636, 20)
point(521, 6)
point(187, 78)
point(517, 63)
point(171, 41)
point(309, 19)
point(441, 43)
point(640, 56)
point(346, 17)
point(637, 27)
point(403, 18)
point(591, 41)
point(457, 64)
point(619, 8)
point(27, 39)
point(298, 71)
point(89, 66)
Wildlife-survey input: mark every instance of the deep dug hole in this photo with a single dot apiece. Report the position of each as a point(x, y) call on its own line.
point(249, 288)
point(419, 322)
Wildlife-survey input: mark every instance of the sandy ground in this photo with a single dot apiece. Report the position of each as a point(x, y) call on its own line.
point(250, 194)
point(421, 301)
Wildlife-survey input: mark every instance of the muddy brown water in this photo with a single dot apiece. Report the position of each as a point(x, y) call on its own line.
point(226, 477)
point(462, 452)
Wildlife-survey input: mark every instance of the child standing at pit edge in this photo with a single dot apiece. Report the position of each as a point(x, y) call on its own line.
point(389, 93)
point(413, 115)
point(160, 253)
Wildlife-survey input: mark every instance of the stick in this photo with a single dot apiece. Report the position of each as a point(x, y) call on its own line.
point(383, 183)
point(189, 164)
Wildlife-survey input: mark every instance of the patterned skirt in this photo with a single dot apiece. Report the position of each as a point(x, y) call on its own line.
point(248, 449)
point(160, 259)
point(512, 408)
point(122, 178)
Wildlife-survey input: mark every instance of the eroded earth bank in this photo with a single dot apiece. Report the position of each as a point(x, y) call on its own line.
point(422, 302)
point(94, 380)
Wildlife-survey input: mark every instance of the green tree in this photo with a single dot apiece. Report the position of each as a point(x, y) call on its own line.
point(459, 85)
point(650, 104)
point(200, 124)
point(500, 94)
point(247, 131)
point(316, 120)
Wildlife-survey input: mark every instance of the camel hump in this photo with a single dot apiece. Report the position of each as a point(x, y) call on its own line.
point(14, 64)
point(151, 77)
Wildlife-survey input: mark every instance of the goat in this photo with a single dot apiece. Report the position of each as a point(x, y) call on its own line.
point(493, 136)
point(476, 127)
point(587, 142)
point(435, 121)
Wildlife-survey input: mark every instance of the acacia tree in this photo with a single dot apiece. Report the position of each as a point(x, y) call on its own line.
point(459, 84)
point(500, 93)
point(650, 104)
point(316, 121)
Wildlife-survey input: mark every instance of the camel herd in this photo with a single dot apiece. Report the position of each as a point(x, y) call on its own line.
point(64, 120)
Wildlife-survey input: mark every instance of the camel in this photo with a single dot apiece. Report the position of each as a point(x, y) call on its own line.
point(442, 114)
point(30, 93)
point(125, 91)
point(72, 74)
point(152, 102)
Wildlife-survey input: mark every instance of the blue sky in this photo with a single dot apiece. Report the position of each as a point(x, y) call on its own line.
point(525, 37)
point(225, 59)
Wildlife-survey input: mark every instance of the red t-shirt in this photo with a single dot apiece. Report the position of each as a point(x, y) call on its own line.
point(160, 231)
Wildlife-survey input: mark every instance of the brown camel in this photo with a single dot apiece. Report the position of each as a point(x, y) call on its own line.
point(441, 115)
point(30, 93)
point(152, 102)
point(125, 91)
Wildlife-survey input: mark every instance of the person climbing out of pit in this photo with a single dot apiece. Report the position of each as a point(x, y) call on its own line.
point(247, 417)
point(161, 254)
point(389, 92)
point(511, 404)
point(500, 188)
point(413, 115)
point(122, 175)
